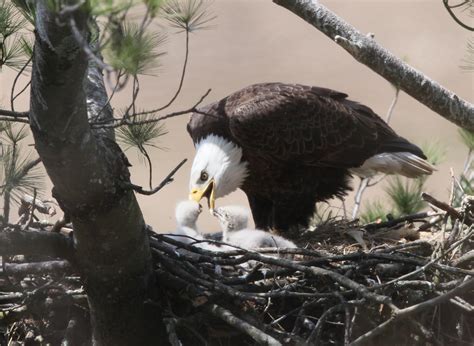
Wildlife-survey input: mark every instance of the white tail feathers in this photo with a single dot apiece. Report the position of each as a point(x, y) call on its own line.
point(402, 163)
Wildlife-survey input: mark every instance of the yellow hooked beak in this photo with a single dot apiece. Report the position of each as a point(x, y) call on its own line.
point(208, 191)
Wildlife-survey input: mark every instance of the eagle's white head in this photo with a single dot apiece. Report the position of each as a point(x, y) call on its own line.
point(217, 169)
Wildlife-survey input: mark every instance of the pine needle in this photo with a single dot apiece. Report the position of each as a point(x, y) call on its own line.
point(467, 138)
point(11, 21)
point(141, 135)
point(374, 211)
point(20, 175)
point(189, 15)
point(133, 51)
point(405, 195)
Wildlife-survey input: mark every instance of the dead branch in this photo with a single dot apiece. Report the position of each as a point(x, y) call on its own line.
point(28, 201)
point(465, 260)
point(446, 207)
point(255, 333)
point(368, 52)
point(168, 179)
point(39, 268)
point(399, 220)
point(14, 115)
point(35, 243)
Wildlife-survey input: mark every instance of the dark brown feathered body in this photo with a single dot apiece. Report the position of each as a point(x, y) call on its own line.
point(299, 142)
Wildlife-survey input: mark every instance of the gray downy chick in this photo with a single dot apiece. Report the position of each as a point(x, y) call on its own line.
point(231, 218)
point(234, 222)
point(187, 213)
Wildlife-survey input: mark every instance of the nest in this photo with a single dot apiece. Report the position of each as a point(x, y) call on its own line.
point(404, 281)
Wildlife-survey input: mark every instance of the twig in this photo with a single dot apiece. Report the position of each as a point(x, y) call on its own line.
point(135, 91)
point(27, 201)
point(84, 45)
point(394, 222)
point(446, 207)
point(358, 197)
point(260, 337)
point(150, 166)
point(456, 19)
point(168, 179)
point(14, 119)
point(181, 81)
point(122, 122)
point(13, 114)
point(392, 105)
point(12, 95)
point(30, 213)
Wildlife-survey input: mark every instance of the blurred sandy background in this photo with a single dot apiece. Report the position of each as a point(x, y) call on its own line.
point(254, 41)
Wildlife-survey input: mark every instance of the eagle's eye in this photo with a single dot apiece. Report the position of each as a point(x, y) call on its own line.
point(204, 176)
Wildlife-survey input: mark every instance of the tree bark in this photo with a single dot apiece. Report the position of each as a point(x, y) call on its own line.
point(89, 172)
point(366, 50)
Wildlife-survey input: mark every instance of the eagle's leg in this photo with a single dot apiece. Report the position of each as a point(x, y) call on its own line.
point(261, 211)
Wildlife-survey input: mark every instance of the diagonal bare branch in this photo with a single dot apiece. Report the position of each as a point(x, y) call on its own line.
point(368, 52)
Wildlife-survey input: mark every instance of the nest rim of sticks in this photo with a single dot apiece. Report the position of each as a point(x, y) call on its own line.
point(320, 293)
point(274, 298)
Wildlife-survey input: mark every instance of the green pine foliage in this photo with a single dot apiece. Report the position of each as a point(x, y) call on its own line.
point(26, 8)
point(134, 51)
point(18, 178)
point(468, 138)
point(20, 173)
point(374, 211)
point(191, 15)
point(435, 152)
point(468, 61)
point(110, 8)
point(153, 6)
point(141, 135)
point(405, 195)
point(12, 22)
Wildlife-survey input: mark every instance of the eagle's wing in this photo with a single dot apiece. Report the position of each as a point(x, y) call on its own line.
point(313, 125)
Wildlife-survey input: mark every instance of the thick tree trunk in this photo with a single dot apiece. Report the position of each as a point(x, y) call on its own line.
point(88, 171)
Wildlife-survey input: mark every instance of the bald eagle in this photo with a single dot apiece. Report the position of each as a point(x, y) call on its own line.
point(288, 146)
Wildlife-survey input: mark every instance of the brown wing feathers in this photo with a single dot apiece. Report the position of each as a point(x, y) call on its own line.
point(317, 126)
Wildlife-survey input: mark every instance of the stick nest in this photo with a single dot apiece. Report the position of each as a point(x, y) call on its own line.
point(404, 281)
